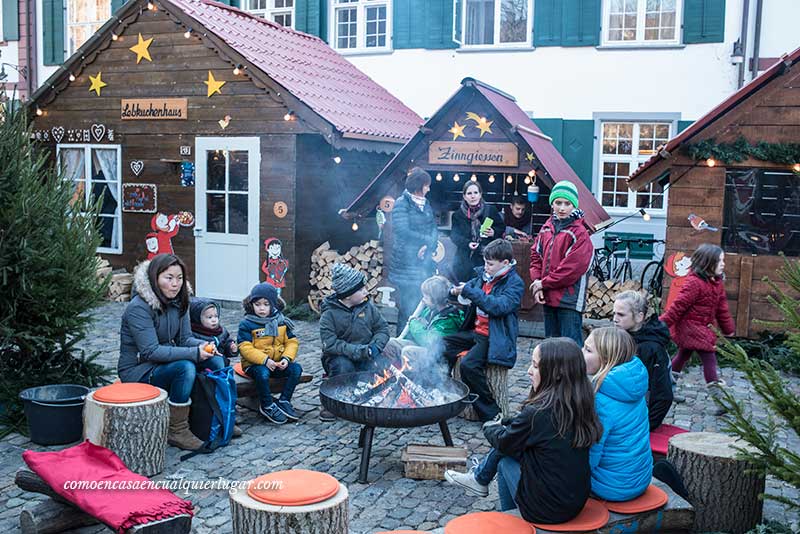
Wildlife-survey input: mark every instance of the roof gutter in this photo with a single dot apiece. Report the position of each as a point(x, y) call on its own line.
point(757, 39)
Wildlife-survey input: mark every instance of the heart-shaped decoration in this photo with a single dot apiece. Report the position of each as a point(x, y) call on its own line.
point(137, 166)
point(58, 133)
point(98, 131)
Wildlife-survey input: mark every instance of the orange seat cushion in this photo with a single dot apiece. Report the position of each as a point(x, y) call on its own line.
point(593, 516)
point(294, 487)
point(652, 499)
point(237, 368)
point(488, 523)
point(403, 532)
point(126, 392)
point(659, 438)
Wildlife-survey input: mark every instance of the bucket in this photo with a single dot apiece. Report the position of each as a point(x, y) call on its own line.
point(54, 413)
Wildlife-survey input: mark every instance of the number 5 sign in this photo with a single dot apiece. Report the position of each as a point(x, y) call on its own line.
point(280, 210)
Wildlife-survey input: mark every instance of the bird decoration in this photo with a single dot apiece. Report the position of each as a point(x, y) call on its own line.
point(700, 224)
point(223, 123)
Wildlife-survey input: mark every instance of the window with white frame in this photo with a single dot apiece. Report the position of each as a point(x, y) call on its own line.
point(497, 22)
point(95, 171)
point(641, 21)
point(279, 11)
point(361, 24)
point(625, 146)
point(84, 17)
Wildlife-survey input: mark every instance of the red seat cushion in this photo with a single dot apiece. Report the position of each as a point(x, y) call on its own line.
point(293, 487)
point(593, 516)
point(237, 368)
point(488, 523)
point(652, 499)
point(659, 438)
point(126, 392)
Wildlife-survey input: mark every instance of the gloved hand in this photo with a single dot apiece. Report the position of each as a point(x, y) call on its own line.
point(374, 351)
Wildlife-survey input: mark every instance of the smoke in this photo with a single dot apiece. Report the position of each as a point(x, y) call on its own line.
point(429, 366)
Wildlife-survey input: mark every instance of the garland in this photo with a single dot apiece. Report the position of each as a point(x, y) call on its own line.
point(740, 150)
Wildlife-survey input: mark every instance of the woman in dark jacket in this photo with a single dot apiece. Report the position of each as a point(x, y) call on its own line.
point(466, 233)
point(156, 342)
point(414, 238)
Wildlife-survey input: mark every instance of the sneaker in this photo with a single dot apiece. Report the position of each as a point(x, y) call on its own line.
point(325, 415)
point(272, 413)
point(288, 410)
point(715, 391)
point(467, 481)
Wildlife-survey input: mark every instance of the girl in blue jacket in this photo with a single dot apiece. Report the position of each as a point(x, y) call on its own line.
point(621, 462)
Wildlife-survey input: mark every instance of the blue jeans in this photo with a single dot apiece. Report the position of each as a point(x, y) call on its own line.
point(261, 374)
point(561, 322)
point(508, 473)
point(177, 377)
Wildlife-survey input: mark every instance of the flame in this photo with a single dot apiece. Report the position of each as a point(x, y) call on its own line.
point(380, 379)
point(405, 400)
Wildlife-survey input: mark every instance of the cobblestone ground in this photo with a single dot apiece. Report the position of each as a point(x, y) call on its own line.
point(389, 501)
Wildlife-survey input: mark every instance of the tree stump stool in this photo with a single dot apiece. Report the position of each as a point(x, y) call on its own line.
point(322, 505)
point(497, 379)
point(132, 420)
point(723, 489)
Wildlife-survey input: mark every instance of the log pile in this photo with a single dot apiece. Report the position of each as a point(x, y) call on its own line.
point(119, 289)
point(367, 258)
point(600, 297)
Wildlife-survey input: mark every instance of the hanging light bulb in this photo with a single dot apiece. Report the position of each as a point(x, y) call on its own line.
point(509, 179)
point(474, 178)
point(711, 162)
point(796, 167)
point(71, 77)
point(337, 159)
point(531, 173)
point(438, 177)
point(188, 33)
point(527, 180)
point(355, 226)
point(289, 115)
point(456, 177)
point(150, 6)
point(645, 215)
point(39, 111)
point(237, 70)
point(114, 36)
point(491, 178)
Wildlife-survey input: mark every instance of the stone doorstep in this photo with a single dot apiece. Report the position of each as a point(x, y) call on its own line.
point(677, 517)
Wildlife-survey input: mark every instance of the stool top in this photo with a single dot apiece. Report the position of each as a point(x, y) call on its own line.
point(126, 393)
point(237, 368)
point(653, 498)
point(403, 532)
point(593, 516)
point(293, 487)
point(659, 437)
point(488, 523)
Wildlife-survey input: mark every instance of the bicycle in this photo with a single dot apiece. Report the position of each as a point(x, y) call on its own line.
point(614, 263)
point(652, 278)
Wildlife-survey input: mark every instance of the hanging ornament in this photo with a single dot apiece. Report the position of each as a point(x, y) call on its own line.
point(457, 130)
point(97, 83)
point(140, 49)
point(529, 157)
point(214, 85)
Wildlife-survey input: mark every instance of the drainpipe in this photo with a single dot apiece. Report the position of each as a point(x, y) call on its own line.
point(30, 83)
point(740, 48)
point(757, 38)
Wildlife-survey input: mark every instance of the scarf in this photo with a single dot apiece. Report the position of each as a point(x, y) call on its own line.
point(513, 222)
point(202, 330)
point(499, 274)
point(418, 201)
point(475, 217)
point(271, 323)
point(559, 224)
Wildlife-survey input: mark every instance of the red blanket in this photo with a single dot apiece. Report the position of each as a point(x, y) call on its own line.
point(89, 465)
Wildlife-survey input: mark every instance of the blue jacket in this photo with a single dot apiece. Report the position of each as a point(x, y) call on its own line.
point(412, 229)
point(621, 462)
point(501, 305)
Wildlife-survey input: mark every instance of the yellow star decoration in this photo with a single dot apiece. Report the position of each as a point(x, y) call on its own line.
point(214, 86)
point(483, 124)
point(140, 49)
point(97, 83)
point(457, 130)
point(529, 156)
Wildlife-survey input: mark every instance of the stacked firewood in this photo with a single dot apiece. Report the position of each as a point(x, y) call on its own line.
point(119, 289)
point(367, 258)
point(600, 296)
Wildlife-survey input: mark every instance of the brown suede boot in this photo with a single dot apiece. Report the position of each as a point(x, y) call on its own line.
point(179, 434)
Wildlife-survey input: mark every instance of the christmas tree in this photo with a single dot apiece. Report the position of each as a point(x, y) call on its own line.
point(761, 436)
point(48, 276)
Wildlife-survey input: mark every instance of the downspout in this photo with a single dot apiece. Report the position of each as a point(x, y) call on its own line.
point(757, 38)
point(742, 50)
point(30, 83)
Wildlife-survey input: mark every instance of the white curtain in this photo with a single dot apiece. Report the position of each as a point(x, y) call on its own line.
point(73, 168)
point(107, 161)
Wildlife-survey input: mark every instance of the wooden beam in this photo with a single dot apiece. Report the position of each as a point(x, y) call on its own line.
point(745, 286)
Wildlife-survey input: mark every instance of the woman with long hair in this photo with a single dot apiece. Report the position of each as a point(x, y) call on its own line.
point(467, 234)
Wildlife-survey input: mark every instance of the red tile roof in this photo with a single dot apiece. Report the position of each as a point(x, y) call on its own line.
point(310, 70)
point(728, 104)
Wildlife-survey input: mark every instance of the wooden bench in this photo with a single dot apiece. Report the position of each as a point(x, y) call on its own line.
point(247, 395)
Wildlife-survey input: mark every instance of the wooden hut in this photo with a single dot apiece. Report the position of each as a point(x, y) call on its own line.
point(734, 180)
point(479, 134)
point(218, 135)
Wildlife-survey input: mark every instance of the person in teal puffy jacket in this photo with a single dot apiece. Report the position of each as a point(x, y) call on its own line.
point(621, 462)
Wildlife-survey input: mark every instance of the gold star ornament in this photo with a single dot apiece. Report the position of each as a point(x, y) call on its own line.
point(529, 156)
point(97, 83)
point(140, 49)
point(214, 85)
point(481, 123)
point(457, 130)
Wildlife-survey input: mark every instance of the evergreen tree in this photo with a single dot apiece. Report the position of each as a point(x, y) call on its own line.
point(47, 273)
point(761, 436)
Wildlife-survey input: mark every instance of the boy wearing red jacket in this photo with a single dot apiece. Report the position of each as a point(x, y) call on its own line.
point(560, 259)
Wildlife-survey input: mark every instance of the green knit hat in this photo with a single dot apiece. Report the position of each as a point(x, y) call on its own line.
point(566, 190)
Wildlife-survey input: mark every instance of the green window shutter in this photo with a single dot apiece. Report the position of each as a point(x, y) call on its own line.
point(682, 125)
point(423, 24)
point(553, 128)
point(547, 23)
point(10, 20)
point(703, 21)
point(309, 17)
point(580, 23)
point(578, 148)
point(53, 31)
point(402, 13)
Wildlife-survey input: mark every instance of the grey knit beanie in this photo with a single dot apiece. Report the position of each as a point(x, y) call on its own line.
point(346, 280)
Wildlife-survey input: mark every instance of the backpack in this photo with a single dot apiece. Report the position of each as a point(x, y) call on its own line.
point(213, 411)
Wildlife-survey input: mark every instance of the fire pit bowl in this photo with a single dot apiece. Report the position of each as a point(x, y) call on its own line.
point(335, 396)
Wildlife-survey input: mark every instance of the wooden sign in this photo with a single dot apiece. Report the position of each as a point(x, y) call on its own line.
point(139, 198)
point(138, 109)
point(473, 154)
point(387, 204)
point(280, 210)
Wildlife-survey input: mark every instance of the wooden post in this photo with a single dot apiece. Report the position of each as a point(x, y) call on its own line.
point(136, 432)
point(724, 490)
point(49, 517)
point(497, 379)
point(745, 295)
point(250, 516)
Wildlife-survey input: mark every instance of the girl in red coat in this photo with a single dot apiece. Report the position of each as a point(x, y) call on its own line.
point(700, 303)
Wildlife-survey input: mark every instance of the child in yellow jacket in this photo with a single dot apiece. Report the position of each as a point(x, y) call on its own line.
point(268, 348)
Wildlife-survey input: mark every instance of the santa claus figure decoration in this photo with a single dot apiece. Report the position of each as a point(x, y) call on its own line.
point(275, 266)
point(165, 227)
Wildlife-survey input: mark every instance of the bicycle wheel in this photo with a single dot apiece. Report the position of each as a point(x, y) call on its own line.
point(653, 277)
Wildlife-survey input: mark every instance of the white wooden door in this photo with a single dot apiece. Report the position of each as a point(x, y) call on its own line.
point(226, 219)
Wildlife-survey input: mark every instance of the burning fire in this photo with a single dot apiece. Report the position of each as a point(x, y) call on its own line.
point(380, 379)
point(405, 400)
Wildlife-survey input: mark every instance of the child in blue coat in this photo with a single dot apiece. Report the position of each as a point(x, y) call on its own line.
point(621, 462)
